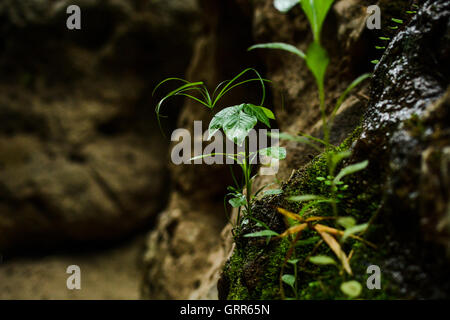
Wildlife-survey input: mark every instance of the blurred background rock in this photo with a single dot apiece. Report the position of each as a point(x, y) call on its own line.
point(82, 161)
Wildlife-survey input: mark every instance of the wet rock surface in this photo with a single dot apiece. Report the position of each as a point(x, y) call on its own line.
point(408, 119)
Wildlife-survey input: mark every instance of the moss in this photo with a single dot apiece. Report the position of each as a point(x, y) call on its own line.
point(415, 126)
point(253, 272)
point(254, 269)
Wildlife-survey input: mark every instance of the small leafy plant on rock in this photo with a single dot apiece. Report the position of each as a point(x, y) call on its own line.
point(236, 122)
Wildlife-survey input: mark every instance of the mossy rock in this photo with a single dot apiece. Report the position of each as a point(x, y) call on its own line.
point(404, 135)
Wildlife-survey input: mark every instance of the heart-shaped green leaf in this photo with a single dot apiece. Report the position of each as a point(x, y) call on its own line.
point(238, 125)
point(289, 279)
point(322, 260)
point(268, 112)
point(221, 117)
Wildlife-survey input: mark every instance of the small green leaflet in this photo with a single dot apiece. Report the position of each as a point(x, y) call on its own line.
point(274, 152)
point(264, 233)
point(356, 229)
point(308, 241)
point(351, 169)
point(281, 46)
point(322, 260)
point(284, 5)
point(305, 197)
point(289, 279)
point(317, 61)
point(316, 11)
point(272, 192)
point(351, 288)
point(238, 201)
point(268, 112)
point(347, 222)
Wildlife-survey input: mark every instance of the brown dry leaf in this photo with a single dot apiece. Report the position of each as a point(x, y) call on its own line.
point(310, 219)
point(336, 247)
point(296, 217)
point(294, 229)
point(337, 232)
point(321, 227)
point(290, 215)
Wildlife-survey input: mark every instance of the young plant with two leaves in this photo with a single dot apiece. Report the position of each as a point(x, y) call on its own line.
point(236, 122)
point(317, 61)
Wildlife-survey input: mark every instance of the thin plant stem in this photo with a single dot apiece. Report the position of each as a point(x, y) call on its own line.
point(247, 173)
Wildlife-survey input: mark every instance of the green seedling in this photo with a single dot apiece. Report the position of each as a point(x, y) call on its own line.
point(236, 122)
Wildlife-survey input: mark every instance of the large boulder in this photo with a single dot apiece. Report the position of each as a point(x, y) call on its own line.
point(81, 156)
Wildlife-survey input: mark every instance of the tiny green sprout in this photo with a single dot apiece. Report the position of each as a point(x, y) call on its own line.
point(322, 260)
point(399, 21)
point(380, 48)
point(375, 61)
point(293, 261)
point(384, 38)
point(263, 233)
point(289, 279)
point(411, 12)
point(415, 6)
point(351, 288)
point(393, 28)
